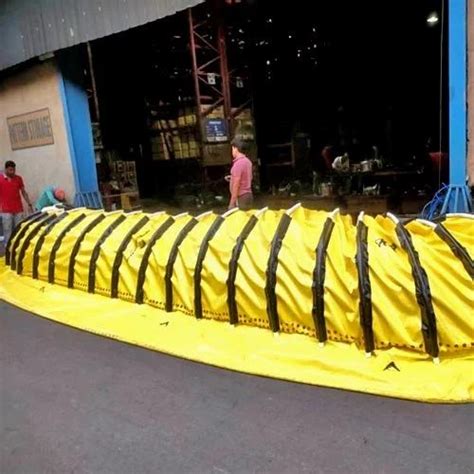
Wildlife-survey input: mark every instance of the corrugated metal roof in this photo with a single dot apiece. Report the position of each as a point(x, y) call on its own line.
point(29, 28)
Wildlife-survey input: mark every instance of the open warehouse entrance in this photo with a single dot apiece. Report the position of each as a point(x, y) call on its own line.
point(339, 98)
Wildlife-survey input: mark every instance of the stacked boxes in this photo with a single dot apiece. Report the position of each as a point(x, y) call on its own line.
point(176, 138)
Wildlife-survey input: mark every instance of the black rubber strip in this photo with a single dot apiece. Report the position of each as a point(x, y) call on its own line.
point(365, 290)
point(18, 233)
point(423, 292)
point(172, 258)
point(41, 240)
point(407, 220)
point(77, 246)
point(96, 251)
point(439, 219)
point(139, 294)
point(199, 262)
point(233, 265)
point(319, 276)
point(28, 239)
point(119, 255)
point(458, 250)
point(272, 265)
point(57, 244)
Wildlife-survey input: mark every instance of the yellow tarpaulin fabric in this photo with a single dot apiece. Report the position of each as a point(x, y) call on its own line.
point(247, 349)
point(397, 292)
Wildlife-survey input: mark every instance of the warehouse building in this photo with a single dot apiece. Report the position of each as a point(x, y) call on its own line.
point(124, 99)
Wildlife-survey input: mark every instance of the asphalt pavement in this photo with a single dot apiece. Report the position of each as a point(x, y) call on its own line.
point(72, 402)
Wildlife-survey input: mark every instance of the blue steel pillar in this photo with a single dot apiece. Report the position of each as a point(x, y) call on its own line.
point(457, 198)
point(79, 130)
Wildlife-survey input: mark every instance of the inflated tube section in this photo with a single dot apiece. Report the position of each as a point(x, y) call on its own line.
point(271, 280)
point(18, 234)
point(95, 253)
point(171, 260)
point(19, 228)
point(423, 292)
point(200, 259)
point(119, 255)
point(233, 266)
point(41, 225)
point(40, 242)
point(458, 250)
point(365, 291)
point(319, 275)
point(237, 271)
point(146, 256)
point(77, 246)
point(57, 243)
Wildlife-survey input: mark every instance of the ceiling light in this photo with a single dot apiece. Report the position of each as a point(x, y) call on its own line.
point(432, 19)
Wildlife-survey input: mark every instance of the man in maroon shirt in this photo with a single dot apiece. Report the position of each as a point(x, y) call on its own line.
point(240, 177)
point(11, 206)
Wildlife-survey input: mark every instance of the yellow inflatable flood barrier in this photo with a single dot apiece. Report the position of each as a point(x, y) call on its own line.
point(379, 306)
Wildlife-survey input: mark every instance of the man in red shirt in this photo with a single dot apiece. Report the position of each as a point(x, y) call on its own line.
point(240, 177)
point(11, 206)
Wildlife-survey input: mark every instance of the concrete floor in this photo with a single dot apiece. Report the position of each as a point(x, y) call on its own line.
point(72, 402)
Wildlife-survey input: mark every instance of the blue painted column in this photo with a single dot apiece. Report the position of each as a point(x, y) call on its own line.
point(457, 91)
point(79, 130)
point(458, 197)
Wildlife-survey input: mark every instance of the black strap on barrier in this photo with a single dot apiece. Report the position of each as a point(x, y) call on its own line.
point(40, 242)
point(458, 250)
point(139, 294)
point(119, 255)
point(365, 290)
point(96, 251)
point(423, 292)
point(18, 233)
point(77, 246)
point(28, 239)
point(172, 258)
point(272, 265)
point(233, 265)
point(199, 262)
point(57, 244)
point(319, 276)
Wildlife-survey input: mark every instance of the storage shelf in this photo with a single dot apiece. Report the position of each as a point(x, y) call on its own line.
point(172, 129)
